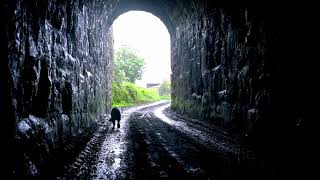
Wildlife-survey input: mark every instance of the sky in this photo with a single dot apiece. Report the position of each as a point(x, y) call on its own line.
point(149, 36)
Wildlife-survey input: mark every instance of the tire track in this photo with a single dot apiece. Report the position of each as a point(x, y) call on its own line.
point(83, 165)
point(102, 157)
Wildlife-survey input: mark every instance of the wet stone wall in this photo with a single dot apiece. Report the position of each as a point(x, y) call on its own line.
point(221, 70)
point(59, 59)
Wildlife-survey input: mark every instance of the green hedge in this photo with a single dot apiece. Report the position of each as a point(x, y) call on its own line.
point(127, 94)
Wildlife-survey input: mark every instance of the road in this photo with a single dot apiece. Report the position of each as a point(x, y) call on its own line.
point(154, 143)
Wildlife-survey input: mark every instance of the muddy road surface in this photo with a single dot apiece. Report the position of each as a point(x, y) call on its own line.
point(154, 143)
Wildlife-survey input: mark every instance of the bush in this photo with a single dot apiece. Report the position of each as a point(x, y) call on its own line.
point(127, 94)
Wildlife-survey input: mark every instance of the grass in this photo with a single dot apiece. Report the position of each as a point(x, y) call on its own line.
point(165, 97)
point(127, 94)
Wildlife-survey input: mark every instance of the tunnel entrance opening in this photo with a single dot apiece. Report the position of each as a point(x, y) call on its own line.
point(141, 67)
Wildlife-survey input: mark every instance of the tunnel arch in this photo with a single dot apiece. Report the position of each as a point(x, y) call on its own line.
point(140, 5)
point(147, 35)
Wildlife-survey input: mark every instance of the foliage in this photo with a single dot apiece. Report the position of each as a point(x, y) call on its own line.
point(165, 97)
point(165, 88)
point(127, 94)
point(127, 65)
point(127, 68)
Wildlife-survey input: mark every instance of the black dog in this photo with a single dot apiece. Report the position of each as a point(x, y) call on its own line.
point(115, 115)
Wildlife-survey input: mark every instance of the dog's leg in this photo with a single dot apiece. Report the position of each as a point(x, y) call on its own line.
point(118, 123)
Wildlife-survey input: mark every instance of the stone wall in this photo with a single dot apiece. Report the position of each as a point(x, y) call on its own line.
point(221, 68)
point(248, 72)
point(59, 60)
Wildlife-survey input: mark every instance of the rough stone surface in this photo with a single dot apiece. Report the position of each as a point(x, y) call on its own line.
point(221, 70)
point(233, 67)
point(59, 59)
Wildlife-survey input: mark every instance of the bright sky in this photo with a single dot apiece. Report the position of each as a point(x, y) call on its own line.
point(149, 36)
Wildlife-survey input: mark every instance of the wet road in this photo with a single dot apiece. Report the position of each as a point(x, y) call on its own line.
point(155, 143)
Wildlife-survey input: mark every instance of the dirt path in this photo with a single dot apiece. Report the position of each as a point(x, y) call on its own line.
point(152, 145)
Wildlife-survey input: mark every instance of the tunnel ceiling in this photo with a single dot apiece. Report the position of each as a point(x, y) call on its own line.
point(171, 12)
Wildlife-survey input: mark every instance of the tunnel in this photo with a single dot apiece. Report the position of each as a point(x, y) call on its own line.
point(241, 69)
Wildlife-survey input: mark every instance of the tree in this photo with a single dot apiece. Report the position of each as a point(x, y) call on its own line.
point(127, 65)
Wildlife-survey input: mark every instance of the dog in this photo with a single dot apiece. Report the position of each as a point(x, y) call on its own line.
point(115, 116)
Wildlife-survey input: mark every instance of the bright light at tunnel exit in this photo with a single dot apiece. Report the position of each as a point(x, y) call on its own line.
point(148, 35)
